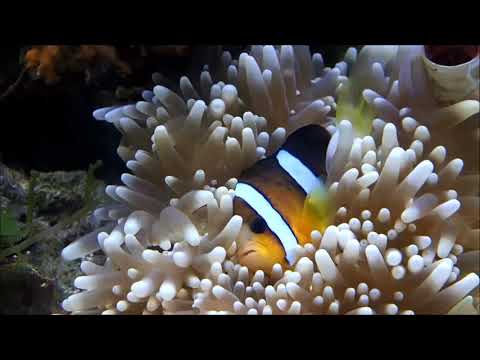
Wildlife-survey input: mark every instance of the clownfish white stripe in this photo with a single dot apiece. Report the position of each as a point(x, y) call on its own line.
point(302, 175)
point(274, 220)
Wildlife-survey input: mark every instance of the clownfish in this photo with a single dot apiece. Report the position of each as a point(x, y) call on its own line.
point(282, 199)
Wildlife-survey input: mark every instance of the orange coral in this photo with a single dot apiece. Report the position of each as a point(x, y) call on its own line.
point(50, 61)
point(43, 60)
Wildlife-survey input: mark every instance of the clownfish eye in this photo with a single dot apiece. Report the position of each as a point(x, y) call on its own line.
point(258, 225)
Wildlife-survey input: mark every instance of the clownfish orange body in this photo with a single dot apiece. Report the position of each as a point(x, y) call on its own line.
point(282, 199)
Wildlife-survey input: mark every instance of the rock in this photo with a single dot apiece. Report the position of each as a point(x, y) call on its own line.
point(12, 190)
point(38, 278)
point(59, 193)
point(24, 291)
point(11, 184)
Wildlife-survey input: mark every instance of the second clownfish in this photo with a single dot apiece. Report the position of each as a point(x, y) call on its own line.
point(282, 199)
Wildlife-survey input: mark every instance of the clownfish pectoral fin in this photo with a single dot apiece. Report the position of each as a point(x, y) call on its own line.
point(317, 210)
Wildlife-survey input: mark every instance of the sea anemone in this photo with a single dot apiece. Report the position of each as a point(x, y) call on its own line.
point(405, 236)
point(137, 277)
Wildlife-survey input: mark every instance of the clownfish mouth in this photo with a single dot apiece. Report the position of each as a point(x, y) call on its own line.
point(254, 261)
point(255, 256)
point(247, 252)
